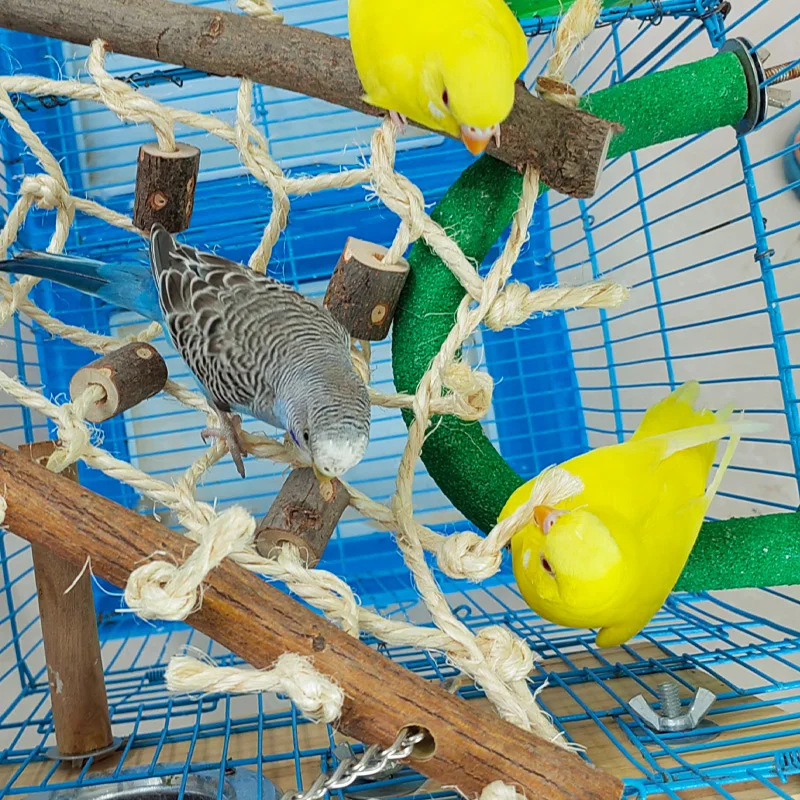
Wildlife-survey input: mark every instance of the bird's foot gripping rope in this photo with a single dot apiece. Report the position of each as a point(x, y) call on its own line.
point(498, 660)
point(229, 430)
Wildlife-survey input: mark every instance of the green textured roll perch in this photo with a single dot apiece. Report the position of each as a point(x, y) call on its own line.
point(687, 100)
point(525, 9)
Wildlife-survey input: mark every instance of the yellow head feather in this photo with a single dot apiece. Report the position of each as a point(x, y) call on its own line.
point(478, 77)
point(574, 572)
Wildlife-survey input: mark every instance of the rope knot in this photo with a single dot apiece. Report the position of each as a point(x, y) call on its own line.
point(316, 695)
point(497, 790)
point(506, 654)
point(152, 592)
point(159, 590)
point(509, 307)
point(464, 556)
point(470, 389)
point(261, 9)
point(73, 432)
point(46, 191)
point(557, 91)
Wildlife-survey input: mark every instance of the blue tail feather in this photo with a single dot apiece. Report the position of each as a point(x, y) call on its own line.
point(127, 286)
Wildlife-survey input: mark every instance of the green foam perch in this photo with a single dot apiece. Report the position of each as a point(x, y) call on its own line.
point(662, 107)
point(526, 9)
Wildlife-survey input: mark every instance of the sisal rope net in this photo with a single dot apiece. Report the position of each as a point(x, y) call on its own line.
point(494, 658)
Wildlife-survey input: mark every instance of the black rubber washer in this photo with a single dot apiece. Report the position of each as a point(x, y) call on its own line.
point(755, 77)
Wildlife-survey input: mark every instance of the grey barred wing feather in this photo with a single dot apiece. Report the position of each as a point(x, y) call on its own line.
point(203, 298)
point(258, 346)
point(239, 331)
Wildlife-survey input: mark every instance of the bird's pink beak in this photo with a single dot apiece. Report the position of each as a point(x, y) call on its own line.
point(476, 139)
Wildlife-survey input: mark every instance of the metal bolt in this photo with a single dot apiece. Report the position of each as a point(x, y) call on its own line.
point(672, 718)
point(778, 98)
point(792, 74)
point(670, 698)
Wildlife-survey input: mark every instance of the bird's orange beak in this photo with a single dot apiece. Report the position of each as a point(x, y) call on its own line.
point(540, 514)
point(476, 139)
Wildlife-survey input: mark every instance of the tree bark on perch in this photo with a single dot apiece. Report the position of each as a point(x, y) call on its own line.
point(71, 644)
point(566, 145)
point(258, 622)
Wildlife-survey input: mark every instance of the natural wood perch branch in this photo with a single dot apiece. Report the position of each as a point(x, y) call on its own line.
point(567, 146)
point(259, 623)
point(71, 645)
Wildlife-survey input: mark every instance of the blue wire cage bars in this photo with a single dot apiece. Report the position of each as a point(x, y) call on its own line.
point(705, 231)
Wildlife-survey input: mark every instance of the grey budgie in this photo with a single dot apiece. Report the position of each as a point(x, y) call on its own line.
point(256, 345)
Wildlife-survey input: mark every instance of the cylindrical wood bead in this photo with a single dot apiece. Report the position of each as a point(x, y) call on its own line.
point(165, 185)
point(128, 376)
point(71, 644)
point(364, 291)
point(305, 513)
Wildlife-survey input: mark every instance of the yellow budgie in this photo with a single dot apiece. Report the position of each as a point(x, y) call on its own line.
point(448, 64)
point(609, 557)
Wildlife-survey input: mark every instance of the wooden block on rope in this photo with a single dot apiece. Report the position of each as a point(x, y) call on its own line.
point(165, 186)
point(128, 376)
point(71, 643)
point(364, 290)
point(463, 747)
point(305, 513)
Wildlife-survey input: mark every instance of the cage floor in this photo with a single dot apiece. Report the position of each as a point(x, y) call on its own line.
point(749, 747)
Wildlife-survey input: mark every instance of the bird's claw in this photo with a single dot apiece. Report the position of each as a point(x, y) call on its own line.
point(399, 121)
point(497, 135)
point(230, 431)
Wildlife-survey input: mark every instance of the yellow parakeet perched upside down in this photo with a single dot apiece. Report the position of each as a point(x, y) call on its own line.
point(450, 65)
point(609, 557)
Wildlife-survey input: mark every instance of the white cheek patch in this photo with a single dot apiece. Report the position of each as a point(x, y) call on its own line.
point(435, 110)
point(526, 559)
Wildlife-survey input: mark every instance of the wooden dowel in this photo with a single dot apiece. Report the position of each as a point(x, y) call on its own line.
point(363, 291)
point(128, 376)
point(567, 146)
point(71, 644)
point(305, 513)
point(165, 184)
point(258, 622)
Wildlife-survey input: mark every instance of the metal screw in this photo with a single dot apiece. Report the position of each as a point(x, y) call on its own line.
point(670, 698)
point(777, 98)
point(672, 718)
point(792, 74)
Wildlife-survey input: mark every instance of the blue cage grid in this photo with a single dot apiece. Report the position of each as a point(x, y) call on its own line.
point(704, 233)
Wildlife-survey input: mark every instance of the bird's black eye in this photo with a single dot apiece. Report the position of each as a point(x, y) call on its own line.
point(445, 98)
point(305, 436)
